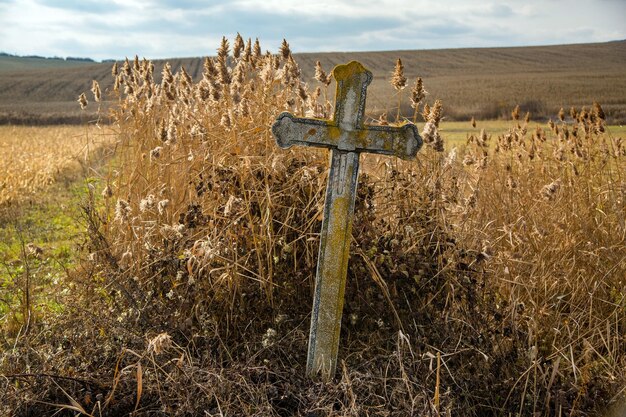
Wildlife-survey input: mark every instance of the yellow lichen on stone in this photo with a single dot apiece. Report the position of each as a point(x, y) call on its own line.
point(348, 71)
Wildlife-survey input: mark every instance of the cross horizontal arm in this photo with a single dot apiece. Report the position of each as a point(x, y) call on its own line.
point(402, 141)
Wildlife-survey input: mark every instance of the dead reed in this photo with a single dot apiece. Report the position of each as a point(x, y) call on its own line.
point(35, 157)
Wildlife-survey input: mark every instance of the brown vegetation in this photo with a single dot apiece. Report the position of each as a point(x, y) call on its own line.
point(34, 158)
point(483, 281)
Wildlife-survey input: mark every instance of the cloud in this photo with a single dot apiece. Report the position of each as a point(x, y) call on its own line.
point(168, 28)
point(501, 10)
point(82, 6)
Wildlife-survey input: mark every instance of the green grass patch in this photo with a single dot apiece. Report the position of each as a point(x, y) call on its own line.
point(456, 133)
point(38, 245)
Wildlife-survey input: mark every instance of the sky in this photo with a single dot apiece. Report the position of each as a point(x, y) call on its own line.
point(113, 29)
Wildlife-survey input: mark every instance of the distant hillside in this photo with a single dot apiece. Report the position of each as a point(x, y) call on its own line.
point(481, 82)
point(18, 63)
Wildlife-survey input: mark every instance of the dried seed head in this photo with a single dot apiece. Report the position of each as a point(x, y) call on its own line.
point(203, 90)
point(549, 191)
point(398, 80)
point(482, 162)
point(126, 67)
point(114, 69)
point(155, 153)
point(209, 72)
point(597, 111)
point(483, 138)
point(302, 92)
point(162, 205)
point(438, 143)
point(285, 52)
point(436, 112)
point(171, 133)
point(225, 121)
point(515, 113)
point(82, 100)
point(267, 73)
point(290, 74)
point(417, 93)
point(473, 122)
point(122, 211)
point(162, 130)
point(95, 89)
point(238, 46)
point(573, 113)
point(274, 59)
point(431, 136)
point(244, 106)
point(256, 53)
point(160, 343)
point(129, 90)
point(429, 131)
point(527, 117)
point(222, 63)
point(147, 203)
point(583, 115)
point(247, 52)
point(320, 74)
point(167, 78)
point(562, 114)
point(222, 51)
point(185, 78)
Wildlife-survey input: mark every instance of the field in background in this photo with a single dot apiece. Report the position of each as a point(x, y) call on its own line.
point(44, 172)
point(456, 133)
point(483, 82)
point(36, 157)
point(10, 63)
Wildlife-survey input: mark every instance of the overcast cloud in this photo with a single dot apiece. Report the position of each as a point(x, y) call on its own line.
point(103, 29)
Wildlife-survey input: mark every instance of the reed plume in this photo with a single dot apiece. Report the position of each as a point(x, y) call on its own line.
point(398, 80)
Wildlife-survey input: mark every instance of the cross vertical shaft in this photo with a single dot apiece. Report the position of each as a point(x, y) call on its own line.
point(334, 252)
point(346, 137)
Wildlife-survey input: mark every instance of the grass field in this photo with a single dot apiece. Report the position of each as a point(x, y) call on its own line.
point(456, 133)
point(485, 277)
point(36, 157)
point(42, 178)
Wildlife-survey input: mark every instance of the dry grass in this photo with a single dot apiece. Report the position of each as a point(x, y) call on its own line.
point(35, 157)
point(486, 280)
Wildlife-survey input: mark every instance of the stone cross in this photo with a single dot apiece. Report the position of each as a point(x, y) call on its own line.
point(346, 136)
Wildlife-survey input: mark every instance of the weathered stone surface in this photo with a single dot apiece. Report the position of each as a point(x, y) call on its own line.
point(346, 136)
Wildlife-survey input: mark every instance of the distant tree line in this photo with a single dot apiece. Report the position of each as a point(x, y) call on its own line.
point(69, 58)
